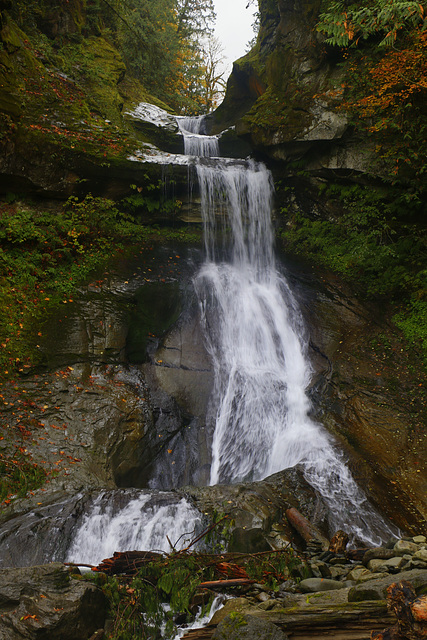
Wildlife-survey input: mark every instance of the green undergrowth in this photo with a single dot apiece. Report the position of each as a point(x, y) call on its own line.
point(45, 254)
point(377, 240)
point(137, 605)
point(18, 475)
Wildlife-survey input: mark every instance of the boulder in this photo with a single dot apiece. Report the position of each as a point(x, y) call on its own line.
point(377, 589)
point(157, 126)
point(257, 508)
point(239, 626)
point(45, 602)
point(405, 546)
point(315, 585)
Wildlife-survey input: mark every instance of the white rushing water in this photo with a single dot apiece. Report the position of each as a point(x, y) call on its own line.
point(141, 524)
point(195, 143)
point(255, 336)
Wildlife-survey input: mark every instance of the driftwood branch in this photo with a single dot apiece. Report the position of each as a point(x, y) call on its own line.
point(234, 582)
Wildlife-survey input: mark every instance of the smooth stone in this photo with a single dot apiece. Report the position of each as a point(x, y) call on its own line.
point(394, 565)
point(378, 553)
point(419, 539)
point(371, 576)
point(405, 546)
point(337, 572)
point(376, 564)
point(421, 555)
point(377, 589)
point(314, 585)
point(359, 574)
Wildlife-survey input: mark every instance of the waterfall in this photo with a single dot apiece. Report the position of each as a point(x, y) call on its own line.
point(257, 342)
point(256, 339)
point(195, 143)
point(144, 522)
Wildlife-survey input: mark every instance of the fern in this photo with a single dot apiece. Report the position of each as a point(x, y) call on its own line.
point(343, 25)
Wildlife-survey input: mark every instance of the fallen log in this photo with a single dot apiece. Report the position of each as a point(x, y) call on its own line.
point(126, 562)
point(306, 530)
point(410, 611)
point(234, 582)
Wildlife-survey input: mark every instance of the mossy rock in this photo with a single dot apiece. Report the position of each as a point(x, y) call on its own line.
point(240, 626)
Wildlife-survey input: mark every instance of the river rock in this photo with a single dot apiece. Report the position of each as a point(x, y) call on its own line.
point(44, 602)
point(239, 626)
point(405, 546)
point(377, 589)
point(378, 553)
point(314, 585)
point(376, 565)
point(359, 574)
point(394, 565)
point(257, 508)
point(421, 555)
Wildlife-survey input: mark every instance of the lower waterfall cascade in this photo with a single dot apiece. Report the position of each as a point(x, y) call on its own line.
point(139, 524)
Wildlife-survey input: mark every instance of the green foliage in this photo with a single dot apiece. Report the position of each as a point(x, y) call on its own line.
point(139, 609)
point(157, 42)
point(139, 202)
point(44, 254)
point(18, 475)
point(372, 239)
point(344, 23)
point(413, 320)
point(161, 45)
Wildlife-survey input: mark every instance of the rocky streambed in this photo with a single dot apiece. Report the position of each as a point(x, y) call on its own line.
point(328, 594)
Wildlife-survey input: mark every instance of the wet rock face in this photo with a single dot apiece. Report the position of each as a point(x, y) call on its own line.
point(45, 526)
point(47, 530)
point(362, 391)
point(257, 509)
point(128, 382)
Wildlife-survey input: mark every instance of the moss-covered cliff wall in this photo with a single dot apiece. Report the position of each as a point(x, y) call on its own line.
point(64, 90)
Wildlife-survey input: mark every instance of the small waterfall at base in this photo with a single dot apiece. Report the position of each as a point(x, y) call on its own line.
point(139, 522)
point(255, 336)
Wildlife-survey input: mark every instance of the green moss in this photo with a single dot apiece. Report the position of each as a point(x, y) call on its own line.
point(374, 240)
point(98, 68)
point(18, 475)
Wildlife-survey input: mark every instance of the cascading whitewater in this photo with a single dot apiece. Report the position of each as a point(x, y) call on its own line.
point(255, 336)
point(143, 522)
point(195, 143)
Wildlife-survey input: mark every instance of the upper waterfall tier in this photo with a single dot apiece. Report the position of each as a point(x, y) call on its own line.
point(195, 142)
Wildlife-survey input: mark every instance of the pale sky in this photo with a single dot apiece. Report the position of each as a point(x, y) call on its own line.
point(233, 27)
